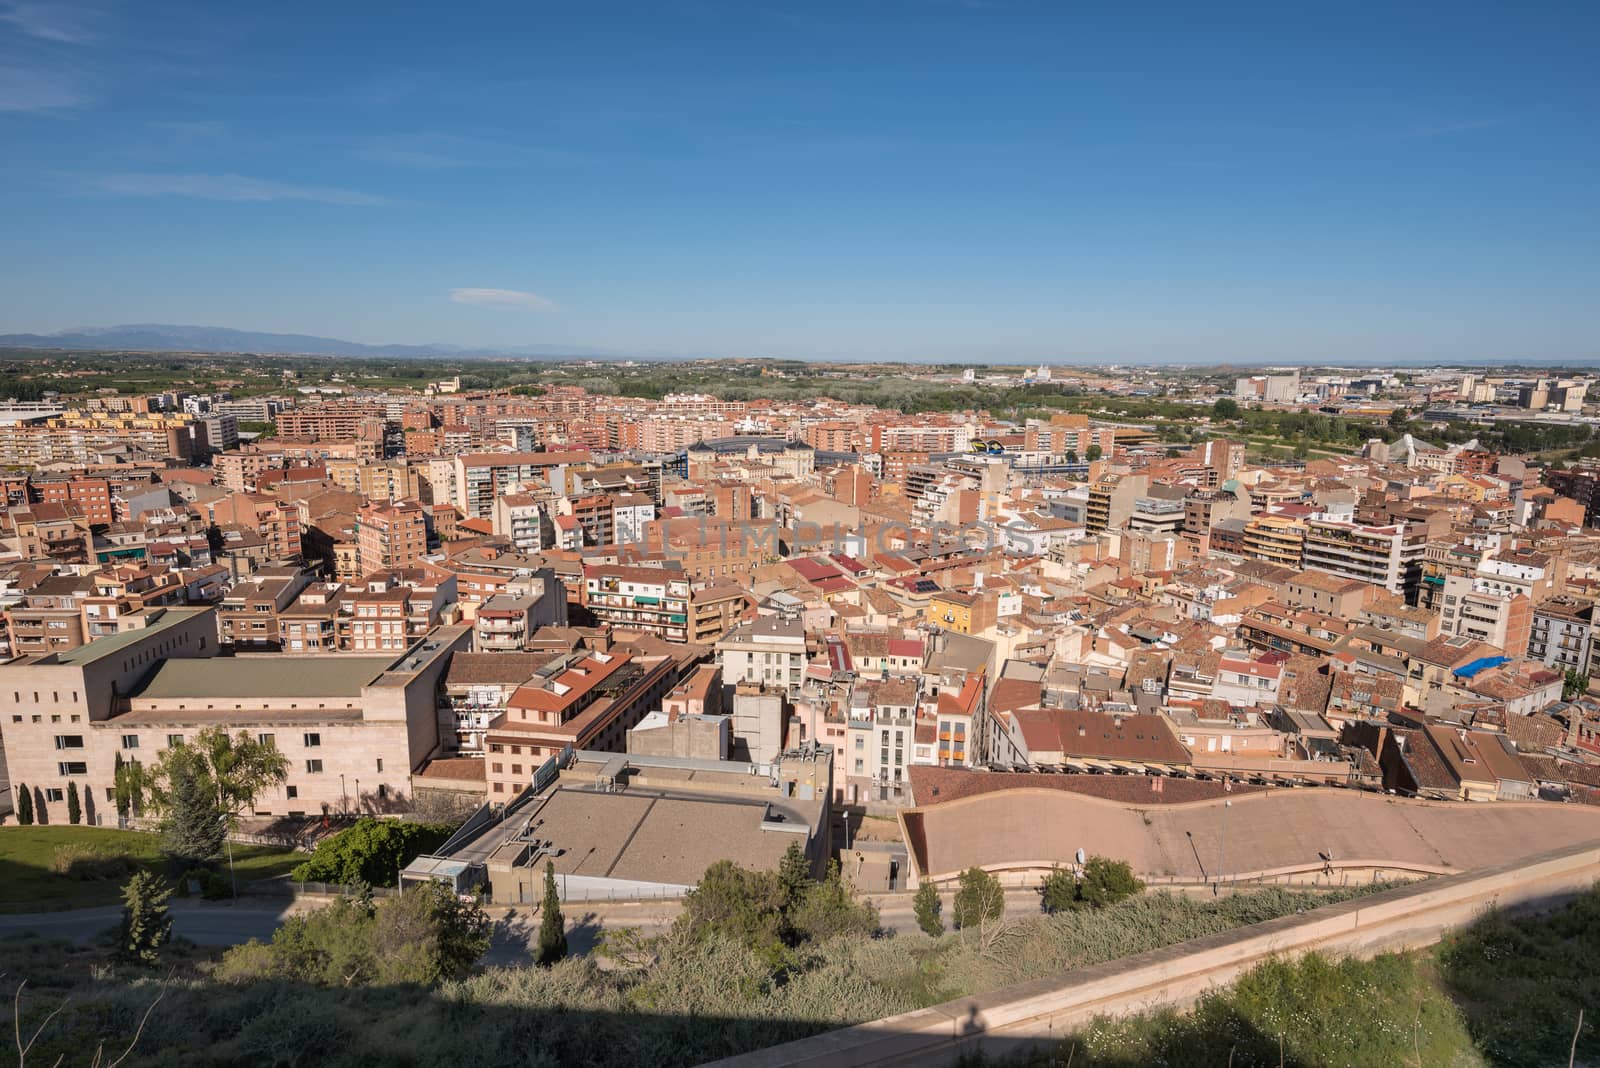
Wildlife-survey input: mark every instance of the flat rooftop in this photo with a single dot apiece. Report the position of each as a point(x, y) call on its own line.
point(89, 652)
point(246, 677)
point(655, 836)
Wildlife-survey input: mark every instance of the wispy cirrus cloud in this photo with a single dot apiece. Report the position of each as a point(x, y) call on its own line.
point(232, 187)
point(503, 298)
point(432, 150)
point(23, 90)
point(59, 22)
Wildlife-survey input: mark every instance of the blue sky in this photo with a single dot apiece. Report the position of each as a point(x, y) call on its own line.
point(928, 179)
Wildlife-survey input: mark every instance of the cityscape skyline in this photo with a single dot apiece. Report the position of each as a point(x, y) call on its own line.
point(940, 182)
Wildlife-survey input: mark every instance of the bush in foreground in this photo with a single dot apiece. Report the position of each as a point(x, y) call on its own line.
point(421, 937)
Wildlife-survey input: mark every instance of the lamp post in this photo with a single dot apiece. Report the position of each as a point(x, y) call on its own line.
point(232, 876)
point(344, 798)
point(1222, 849)
point(358, 795)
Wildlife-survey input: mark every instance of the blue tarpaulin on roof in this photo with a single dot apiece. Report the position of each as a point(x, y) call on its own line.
point(1466, 671)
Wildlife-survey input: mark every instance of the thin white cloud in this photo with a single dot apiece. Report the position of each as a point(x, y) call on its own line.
point(24, 90)
point(231, 187)
point(502, 298)
point(57, 21)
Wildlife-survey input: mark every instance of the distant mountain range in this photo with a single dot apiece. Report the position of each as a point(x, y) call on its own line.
point(165, 337)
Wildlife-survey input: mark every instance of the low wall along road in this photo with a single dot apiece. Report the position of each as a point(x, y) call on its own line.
point(1013, 1018)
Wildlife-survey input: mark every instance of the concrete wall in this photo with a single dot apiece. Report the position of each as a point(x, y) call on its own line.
point(1014, 1018)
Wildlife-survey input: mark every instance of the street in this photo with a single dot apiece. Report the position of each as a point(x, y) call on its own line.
point(516, 930)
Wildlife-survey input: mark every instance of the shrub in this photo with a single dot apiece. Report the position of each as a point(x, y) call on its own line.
point(735, 903)
point(1106, 881)
point(146, 925)
point(372, 852)
point(423, 936)
point(829, 909)
point(1058, 892)
point(1307, 1011)
point(978, 899)
point(927, 906)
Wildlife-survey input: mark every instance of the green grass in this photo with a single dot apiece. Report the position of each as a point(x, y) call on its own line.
point(1506, 991)
point(28, 885)
point(1305, 1013)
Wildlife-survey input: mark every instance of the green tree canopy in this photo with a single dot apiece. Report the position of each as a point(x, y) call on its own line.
point(371, 852)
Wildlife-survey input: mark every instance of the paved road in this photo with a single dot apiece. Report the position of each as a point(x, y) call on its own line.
point(516, 930)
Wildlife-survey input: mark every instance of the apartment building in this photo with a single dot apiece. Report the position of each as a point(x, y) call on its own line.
point(583, 700)
point(481, 477)
point(390, 536)
point(769, 651)
point(1277, 539)
point(1468, 610)
point(1562, 632)
point(650, 599)
point(1112, 501)
point(1382, 555)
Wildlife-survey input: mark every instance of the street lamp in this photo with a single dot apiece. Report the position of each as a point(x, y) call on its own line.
point(344, 798)
point(358, 795)
point(232, 877)
point(1222, 848)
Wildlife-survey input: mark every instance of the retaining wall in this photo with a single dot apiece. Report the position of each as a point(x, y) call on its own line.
point(1007, 1020)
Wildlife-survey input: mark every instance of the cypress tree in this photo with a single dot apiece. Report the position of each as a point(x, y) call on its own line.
point(74, 805)
point(926, 906)
point(553, 926)
point(24, 806)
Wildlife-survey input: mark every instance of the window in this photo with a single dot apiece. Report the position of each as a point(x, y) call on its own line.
point(313, 767)
point(291, 792)
point(54, 794)
point(313, 740)
point(72, 767)
point(174, 740)
point(69, 741)
point(268, 740)
point(380, 763)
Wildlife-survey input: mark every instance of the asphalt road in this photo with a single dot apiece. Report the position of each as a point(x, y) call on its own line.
point(516, 930)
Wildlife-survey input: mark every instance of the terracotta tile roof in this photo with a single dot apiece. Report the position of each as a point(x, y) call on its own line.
point(935, 785)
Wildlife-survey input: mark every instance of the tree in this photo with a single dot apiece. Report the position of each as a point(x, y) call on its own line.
point(1072, 456)
point(24, 806)
point(231, 770)
point(979, 898)
point(124, 779)
point(1059, 891)
point(927, 906)
point(74, 805)
point(146, 925)
point(552, 925)
point(1093, 453)
point(829, 909)
point(794, 876)
point(1225, 408)
point(191, 828)
point(1576, 684)
point(1106, 881)
point(735, 903)
point(371, 852)
point(1399, 419)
